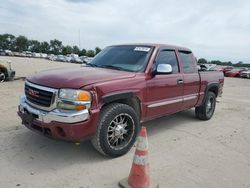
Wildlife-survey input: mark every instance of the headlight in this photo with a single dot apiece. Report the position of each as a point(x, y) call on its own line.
point(71, 99)
point(74, 95)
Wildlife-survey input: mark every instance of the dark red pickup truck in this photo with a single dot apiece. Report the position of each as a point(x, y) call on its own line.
point(123, 86)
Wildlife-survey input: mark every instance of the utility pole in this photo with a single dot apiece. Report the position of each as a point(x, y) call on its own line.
point(79, 38)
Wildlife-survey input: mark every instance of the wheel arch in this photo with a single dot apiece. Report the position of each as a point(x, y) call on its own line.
point(128, 98)
point(4, 70)
point(213, 87)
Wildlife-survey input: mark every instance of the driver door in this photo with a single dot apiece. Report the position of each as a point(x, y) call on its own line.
point(165, 91)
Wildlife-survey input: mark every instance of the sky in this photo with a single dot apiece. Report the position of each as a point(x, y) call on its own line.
point(213, 29)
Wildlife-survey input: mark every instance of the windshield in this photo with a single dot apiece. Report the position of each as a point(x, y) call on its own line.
point(127, 58)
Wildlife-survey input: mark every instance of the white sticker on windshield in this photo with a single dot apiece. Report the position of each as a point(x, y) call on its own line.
point(142, 49)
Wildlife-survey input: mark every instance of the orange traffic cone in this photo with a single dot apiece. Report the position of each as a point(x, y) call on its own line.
point(139, 174)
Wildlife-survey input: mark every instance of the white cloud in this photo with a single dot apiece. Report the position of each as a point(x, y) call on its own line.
point(213, 29)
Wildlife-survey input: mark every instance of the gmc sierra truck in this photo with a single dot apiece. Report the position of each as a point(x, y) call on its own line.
point(123, 86)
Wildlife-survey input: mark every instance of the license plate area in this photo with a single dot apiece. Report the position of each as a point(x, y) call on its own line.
point(28, 118)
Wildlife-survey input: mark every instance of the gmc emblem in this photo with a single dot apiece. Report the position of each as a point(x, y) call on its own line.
point(33, 93)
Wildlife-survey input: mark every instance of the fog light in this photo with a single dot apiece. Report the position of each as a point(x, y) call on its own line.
point(60, 132)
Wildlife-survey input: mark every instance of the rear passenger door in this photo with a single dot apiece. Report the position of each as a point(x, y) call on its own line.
point(164, 93)
point(191, 79)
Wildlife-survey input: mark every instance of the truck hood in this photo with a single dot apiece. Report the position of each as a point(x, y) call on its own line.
point(77, 77)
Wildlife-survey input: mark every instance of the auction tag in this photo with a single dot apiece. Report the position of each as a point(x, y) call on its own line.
point(142, 49)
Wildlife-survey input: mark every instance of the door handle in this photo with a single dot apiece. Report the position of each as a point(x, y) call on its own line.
point(180, 81)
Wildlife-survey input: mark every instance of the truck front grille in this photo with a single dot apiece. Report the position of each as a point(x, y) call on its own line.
point(38, 96)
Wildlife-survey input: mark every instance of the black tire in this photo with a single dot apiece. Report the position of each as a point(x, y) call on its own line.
point(2, 77)
point(117, 130)
point(206, 110)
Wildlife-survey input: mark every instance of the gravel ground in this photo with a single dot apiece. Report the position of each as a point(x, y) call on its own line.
point(184, 152)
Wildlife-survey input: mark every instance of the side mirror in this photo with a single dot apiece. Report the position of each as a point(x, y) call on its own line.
point(162, 69)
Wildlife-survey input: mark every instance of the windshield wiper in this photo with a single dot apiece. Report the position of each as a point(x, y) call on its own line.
point(113, 67)
point(91, 65)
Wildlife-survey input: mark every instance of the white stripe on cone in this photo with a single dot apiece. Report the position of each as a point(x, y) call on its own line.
point(141, 160)
point(142, 143)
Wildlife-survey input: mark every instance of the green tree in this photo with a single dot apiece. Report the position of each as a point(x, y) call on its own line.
point(7, 42)
point(55, 46)
point(21, 43)
point(97, 50)
point(45, 47)
point(83, 52)
point(76, 50)
point(90, 53)
point(34, 46)
point(67, 50)
point(239, 64)
point(202, 61)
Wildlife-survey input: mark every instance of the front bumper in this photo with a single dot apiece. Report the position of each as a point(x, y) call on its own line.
point(54, 115)
point(66, 126)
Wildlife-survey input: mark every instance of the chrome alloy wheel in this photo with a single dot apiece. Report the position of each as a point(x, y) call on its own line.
point(210, 105)
point(120, 131)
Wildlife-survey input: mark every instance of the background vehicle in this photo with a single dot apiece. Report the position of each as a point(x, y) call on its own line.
point(6, 73)
point(226, 69)
point(28, 54)
point(61, 58)
point(75, 59)
point(217, 68)
point(8, 52)
point(234, 72)
point(36, 55)
point(52, 57)
point(245, 74)
point(124, 85)
point(43, 55)
point(2, 52)
point(68, 58)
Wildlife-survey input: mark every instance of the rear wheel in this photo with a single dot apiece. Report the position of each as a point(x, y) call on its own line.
point(206, 110)
point(117, 130)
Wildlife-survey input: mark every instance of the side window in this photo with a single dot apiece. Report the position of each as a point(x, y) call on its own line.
point(187, 61)
point(168, 57)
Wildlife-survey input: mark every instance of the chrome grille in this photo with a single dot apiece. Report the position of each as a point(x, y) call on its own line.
point(38, 95)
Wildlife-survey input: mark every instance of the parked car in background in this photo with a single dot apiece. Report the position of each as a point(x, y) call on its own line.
point(52, 57)
point(2, 53)
point(226, 69)
point(208, 66)
point(245, 74)
point(83, 58)
point(61, 58)
point(76, 59)
point(28, 53)
point(36, 55)
point(68, 58)
point(8, 52)
point(234, 72)
point(217, 68)
point(19, 54)
point(43, 55)
point(6, 72)
point(89, 59)
point(86, 59)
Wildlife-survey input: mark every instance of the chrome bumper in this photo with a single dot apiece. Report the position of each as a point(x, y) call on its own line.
point(54, 115)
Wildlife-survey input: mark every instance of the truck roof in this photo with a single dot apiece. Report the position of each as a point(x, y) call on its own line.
point(157, 45)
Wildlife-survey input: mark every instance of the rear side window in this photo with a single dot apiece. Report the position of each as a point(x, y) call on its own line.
point(187, 61)
point(168, 57)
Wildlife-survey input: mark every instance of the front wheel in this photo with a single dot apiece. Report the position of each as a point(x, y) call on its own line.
point(2, 77)
point(206, 110)
point(117, 130)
